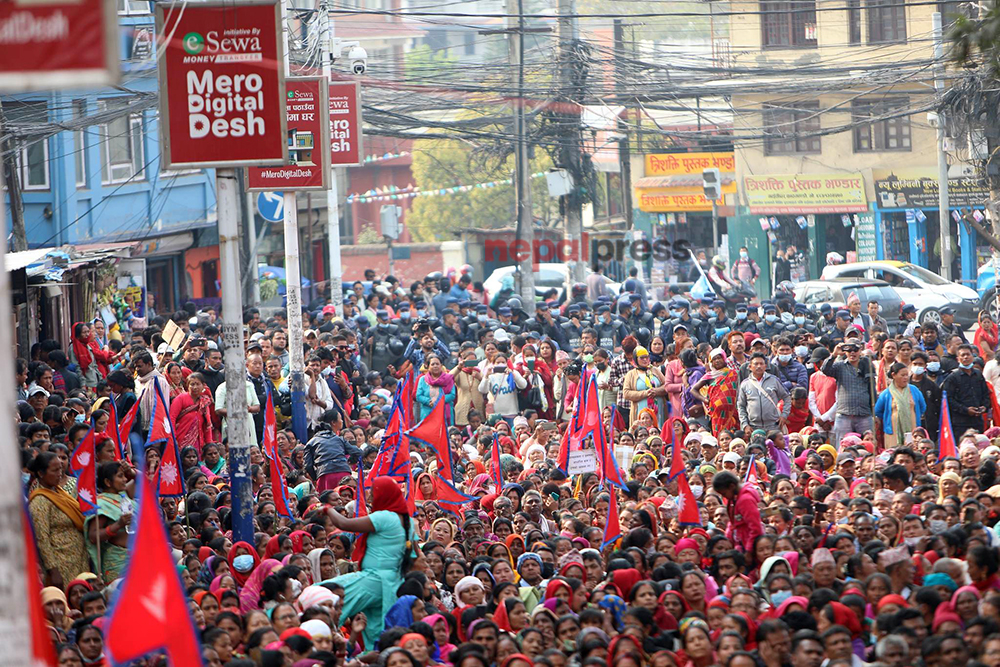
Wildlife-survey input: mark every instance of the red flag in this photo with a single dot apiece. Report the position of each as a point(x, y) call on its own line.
point(83, 464)
point(687, 505)
point(169, 482)
point(751, 476)
point(393, 456)
point(278, 487)
point(125, 427)
point(151, 612)
point(111, 430)
point(448, 497)
point(407, 394)
point(676, 460)
point(946, 437)
point(607, 465)
point(613, 527)
point(496, 472)
point(43, 651)
point(432, 431)
point(360, 504)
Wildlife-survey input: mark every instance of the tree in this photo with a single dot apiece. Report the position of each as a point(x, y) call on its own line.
point(478, 191)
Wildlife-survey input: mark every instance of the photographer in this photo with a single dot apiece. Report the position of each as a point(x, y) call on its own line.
point(501, 387)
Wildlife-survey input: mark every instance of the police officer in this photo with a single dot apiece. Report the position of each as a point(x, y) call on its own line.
point(908, 320)
point(703, 314)
point(547, 325)
point(802, 320)
point(505, 322)
point(772, 325)
point(610, 332)
point(578, 295)
point(377, 354)
point(638, 319)
point(517, 314)
point(742, 322)
point(720, 324)
point(450, 332)
point(827, 319)
point(680, 312)
point(573, 327)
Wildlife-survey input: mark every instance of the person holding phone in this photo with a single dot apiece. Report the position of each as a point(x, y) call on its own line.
point(467, 378)
point(501, 387)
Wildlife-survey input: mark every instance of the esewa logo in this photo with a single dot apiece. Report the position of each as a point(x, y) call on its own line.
point(194, 43)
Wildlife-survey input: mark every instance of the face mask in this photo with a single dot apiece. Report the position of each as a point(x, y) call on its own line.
point(548, 569)
point(933, 366)
point(326, 371)
point(601, 366)
point(25, 478)
point(784, 358)
point(770, 318)
point(675, 313)
point(741, 315)
point(778, 597)
point(588, 358)
point(801, 351)
point(917, 370)
point(744, 255)
point(911, 541)
point(421, 313)
point(383, 325)
point(483, 318)
point(296, 588)
point(79, 419)
point(243, 563)
point(965, 366)
point(404, 315)
point(697, 490)
point(938, 526)
point(800, 320)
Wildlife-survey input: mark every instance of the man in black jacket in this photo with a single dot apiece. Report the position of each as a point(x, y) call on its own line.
point(968, 395)
point(330, 458)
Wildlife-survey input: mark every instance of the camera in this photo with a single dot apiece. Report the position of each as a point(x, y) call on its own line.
point(359, 60)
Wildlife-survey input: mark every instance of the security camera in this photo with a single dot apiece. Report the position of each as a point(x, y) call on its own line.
point(359, 60)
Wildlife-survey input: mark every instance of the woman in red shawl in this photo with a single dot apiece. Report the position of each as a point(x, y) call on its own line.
point(88, 356)
point(625, 579)
point(193, 414)
point(538, 374)
point(241, 574)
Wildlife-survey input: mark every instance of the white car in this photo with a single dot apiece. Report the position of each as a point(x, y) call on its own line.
point(547, 276)
point(926, 290)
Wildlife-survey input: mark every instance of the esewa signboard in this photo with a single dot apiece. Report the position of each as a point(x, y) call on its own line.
point(222, 84)
point(345, 123)
point(308, 137)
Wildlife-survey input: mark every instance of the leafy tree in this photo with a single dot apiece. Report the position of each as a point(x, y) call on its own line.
point(447, 164)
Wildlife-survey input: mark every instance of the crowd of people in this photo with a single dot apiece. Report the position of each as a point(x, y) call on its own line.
point(834, 527)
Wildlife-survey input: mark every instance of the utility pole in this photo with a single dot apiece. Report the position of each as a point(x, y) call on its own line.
point(944, 215)
point(15, 616)
point(522, 169)
point(335, 270)
point(237, 417)
point(13, 183)
point(624, 149)
point(572, 73)
point(293, 282)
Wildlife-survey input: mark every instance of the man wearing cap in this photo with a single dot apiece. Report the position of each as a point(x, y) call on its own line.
point(858, 318)
point(375, 347)
point(573, 328)
point(547, 325)
point(743, 323)
point(947, 327)
point(719, 324)
point(842, 322)
point(907, 320)
point(855, 377)
point(450, 334)
point(802, 320)
point(680, 315)
point(772, 326)
point(759, 397)
point(610, 332)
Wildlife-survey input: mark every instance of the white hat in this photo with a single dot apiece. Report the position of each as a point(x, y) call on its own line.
point(693, 436)
point(317, 628)
point(465, 583)
point(501, 336)
point(731, 457)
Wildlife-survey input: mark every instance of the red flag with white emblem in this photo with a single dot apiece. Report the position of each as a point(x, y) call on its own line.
point(687, 505)
point(946, 436)
point(83, 464)
point(169, 482)
point(613, 526)
point(151, 612)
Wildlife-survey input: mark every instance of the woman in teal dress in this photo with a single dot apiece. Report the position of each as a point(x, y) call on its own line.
point(385, 550)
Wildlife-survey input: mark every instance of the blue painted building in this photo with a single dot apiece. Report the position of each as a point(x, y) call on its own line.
point(103, 183)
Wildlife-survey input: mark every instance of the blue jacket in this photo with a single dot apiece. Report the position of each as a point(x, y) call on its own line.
point(883, 407)
point(328, 453)
point(794, 374)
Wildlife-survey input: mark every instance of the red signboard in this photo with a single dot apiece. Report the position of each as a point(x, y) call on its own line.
point(308, 133)
point(58, 44)
point(345, 123)
point(222, 84)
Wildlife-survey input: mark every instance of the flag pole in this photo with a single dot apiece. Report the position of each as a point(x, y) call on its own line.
point(97, 521)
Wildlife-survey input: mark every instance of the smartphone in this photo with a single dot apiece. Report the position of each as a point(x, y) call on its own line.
point(499, 369)
point(531, 364)
point(470, 363)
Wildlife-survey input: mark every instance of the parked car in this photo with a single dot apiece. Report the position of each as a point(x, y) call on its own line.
point(926, 290)
point(814, 293)
point(986, 287)
point(547, 276)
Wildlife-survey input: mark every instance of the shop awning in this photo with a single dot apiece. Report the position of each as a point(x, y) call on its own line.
point(19, 260)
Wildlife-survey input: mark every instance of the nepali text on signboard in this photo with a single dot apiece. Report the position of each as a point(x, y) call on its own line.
point(679, 164)
point(58, 44)
point(308, 136)
point(670, 201)
point(345, 123)
point(910, 189)
point(805, 193)
point(222, 85)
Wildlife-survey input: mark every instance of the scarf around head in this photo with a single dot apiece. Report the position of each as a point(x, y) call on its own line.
point(387, 497)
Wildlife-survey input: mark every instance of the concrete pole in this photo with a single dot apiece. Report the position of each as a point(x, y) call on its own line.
point(571, 158)
point(237, 416)
point(943, 209)
point(15, 628)
point(293, 287)
point(335, 270)
point(522, 173)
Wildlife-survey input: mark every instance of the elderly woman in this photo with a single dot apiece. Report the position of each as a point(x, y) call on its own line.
point(899, 407)
point(645, 387)
point(721, 384)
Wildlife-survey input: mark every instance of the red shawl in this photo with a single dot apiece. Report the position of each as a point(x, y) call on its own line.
point(386, 496)
point(241, 577)
point(86, 351)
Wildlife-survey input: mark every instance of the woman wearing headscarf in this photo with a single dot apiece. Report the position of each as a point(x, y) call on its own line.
point(384, 551)
point(433, 384)
point(406, 611)
point(721, 384)
point(92, 361)
point(193, 414)
point(645, 387)
point(250, 593)
point(899, 407)
point(324, 564)
point(58, 522)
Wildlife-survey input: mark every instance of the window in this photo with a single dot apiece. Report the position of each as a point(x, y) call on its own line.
point(788, 23)
point(785, 127)
point(886, 21)
point(33, 158)
point(80, 144)
point(889, 134)
point(133, 7)
point(122, 156)
point(854, 21)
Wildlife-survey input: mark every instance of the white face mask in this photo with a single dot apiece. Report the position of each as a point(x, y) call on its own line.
point(697, 490)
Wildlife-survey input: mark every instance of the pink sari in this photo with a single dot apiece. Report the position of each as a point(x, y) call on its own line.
point(192, 420)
